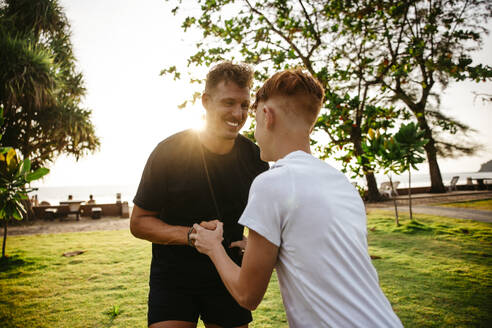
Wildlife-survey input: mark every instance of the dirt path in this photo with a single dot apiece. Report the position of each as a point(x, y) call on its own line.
point(421, 205)
point(68, 225)
point(429, 204)
point(434, 199)
point(450, 212)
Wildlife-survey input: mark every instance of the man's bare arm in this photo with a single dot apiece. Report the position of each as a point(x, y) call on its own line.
point(248, 283)
point(145, 225)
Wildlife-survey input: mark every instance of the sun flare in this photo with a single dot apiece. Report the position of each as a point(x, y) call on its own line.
point(195, 118)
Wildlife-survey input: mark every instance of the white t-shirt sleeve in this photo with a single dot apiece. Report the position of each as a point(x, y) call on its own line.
point(263, 213)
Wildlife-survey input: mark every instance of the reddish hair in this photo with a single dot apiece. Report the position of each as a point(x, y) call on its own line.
point(307, 91)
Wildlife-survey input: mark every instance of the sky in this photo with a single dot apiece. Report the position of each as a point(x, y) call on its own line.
point(122, 45)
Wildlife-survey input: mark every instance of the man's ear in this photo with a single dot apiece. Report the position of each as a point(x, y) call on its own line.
point(269, 116)
point(205, 100)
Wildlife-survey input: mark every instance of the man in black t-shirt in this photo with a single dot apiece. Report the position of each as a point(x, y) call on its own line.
point(192, 177)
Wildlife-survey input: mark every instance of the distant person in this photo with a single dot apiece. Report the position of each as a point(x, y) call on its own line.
point(304, 218)
point(91, 200)
point(192, 177)
point(34, 200)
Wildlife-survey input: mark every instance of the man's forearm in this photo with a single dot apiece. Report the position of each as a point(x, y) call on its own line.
point(247, 284)
point(230, 274)
point(156, 231)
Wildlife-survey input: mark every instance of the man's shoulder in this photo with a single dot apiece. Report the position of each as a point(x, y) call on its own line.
point(175, 147)
point(177, 141)
point(301, 163)
point(271, 180)
point(246, 143)
point(250, 153)
point(179, 137)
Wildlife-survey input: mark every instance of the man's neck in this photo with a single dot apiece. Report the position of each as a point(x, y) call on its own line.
point(285, 147)
point(214, 144)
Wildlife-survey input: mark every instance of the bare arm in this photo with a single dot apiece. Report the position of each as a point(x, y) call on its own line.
point(248, 283)
point(145, 225)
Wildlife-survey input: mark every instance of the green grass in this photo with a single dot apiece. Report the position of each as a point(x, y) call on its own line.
point(484, 204)
point(106, 286)
point(41, 288)
point(436, 273)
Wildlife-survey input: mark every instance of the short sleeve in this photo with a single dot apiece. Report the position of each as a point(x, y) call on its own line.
point(149, 192)
point(264, 213)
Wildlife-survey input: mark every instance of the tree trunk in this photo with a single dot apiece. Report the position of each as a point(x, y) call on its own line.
point(410, 193)
point(397, 221)
point(4, 237)
point(373, 194)
point(430, 149)
point(435, 173)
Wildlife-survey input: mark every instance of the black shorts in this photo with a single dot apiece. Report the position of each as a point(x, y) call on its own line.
point(214, 306)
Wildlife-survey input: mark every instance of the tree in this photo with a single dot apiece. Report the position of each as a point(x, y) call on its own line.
point(398, 154)
point(424, 45)
point(14, 176)
point(352, 108)
point(40, 88)
point(278, 35)
point(399, 46)
point(347, 121)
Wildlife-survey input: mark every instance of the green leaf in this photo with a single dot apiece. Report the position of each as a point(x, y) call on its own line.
point(25, 167)
point(17, 215)
point(39, 173)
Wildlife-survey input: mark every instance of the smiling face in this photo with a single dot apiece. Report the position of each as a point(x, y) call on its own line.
point(227, 109)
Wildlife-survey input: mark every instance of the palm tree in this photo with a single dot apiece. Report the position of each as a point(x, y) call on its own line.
point(40, 88)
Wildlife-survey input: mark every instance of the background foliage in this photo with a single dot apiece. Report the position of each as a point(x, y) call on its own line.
point(15, 176)
point(40, 87)
point(379, 61)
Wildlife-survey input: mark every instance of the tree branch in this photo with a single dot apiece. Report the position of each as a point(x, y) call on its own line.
point(304, 59)
point(315, 32)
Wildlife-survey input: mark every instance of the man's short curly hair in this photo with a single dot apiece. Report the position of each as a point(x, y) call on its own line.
point(241, 74)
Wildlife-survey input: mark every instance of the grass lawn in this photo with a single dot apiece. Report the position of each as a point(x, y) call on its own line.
point(436, 273)
point(484, 204)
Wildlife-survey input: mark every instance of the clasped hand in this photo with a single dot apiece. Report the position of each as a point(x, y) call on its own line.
point(208, 237)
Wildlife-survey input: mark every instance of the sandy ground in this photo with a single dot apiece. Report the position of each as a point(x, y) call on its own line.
point(421, 201)
point(434, 199)
point(68, 224)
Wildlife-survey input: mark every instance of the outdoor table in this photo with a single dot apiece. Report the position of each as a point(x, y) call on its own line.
point(74, 206)
point(480, 182)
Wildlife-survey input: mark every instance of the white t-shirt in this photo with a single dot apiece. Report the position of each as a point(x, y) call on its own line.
point(317, 219)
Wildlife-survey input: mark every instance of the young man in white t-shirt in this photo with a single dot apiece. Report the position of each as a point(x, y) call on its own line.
point(305, 219)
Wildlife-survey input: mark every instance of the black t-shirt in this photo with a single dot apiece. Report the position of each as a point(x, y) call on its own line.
point(174, 183)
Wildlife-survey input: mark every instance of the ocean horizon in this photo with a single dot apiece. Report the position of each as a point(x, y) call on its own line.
point(104, 194)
